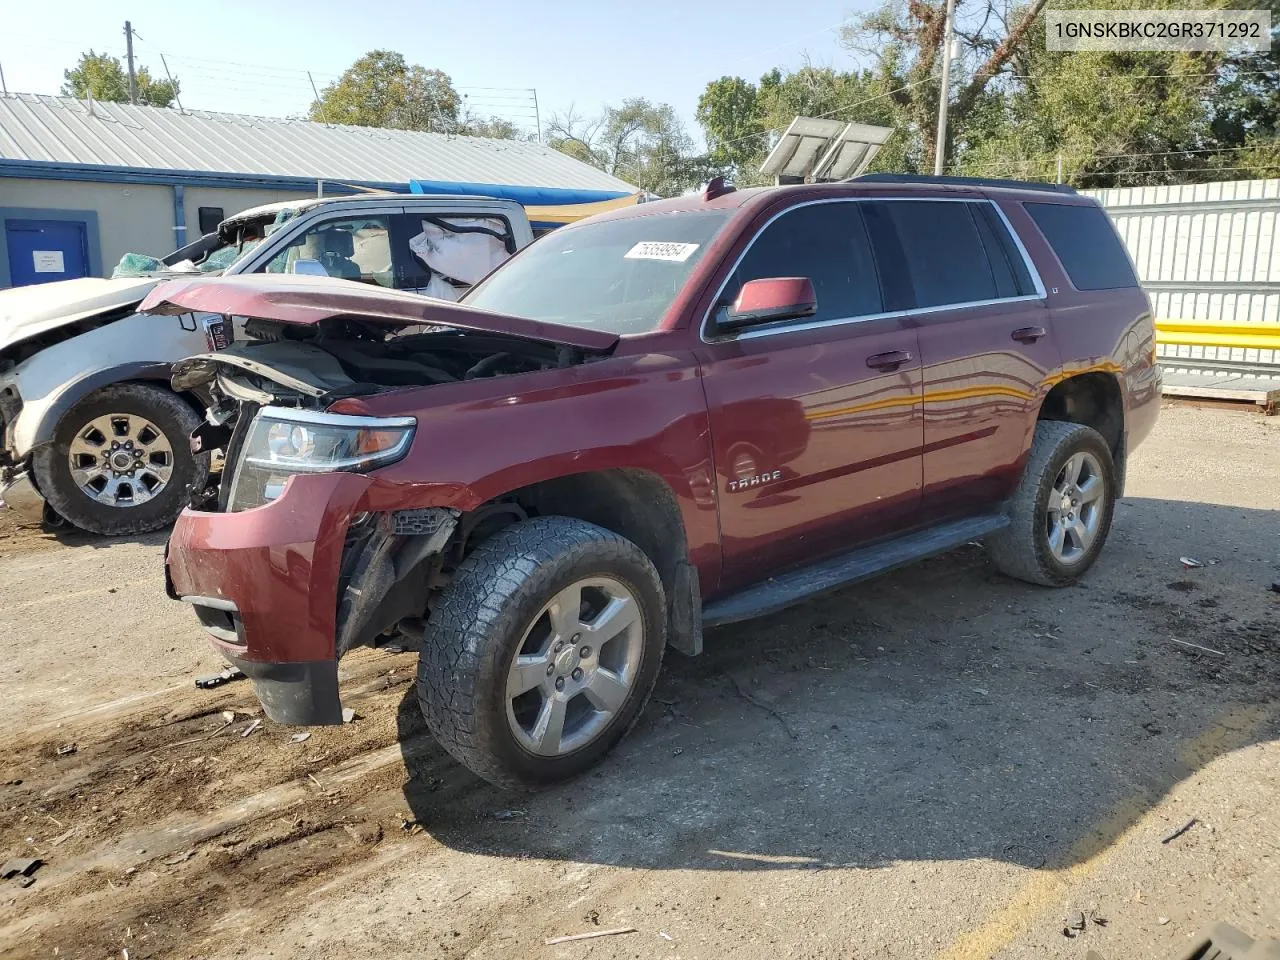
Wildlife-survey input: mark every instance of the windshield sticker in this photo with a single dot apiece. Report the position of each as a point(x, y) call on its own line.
point(655, 250)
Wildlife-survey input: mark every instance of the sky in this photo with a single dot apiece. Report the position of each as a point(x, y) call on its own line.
point(253, 57)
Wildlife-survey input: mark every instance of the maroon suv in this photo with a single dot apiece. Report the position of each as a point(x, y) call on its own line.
point(679, 415)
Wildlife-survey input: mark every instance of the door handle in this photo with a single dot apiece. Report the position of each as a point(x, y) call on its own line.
point(1028, 334)
point(889, 361)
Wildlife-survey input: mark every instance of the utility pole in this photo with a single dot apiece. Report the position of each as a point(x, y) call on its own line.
point(944, 95)
point(537, 117)
point(133, 77)
point(1059, 168)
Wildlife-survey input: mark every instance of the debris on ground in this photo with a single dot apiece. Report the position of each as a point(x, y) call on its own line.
point(180, 858)
point(1072, 928)
point(590, 935)
point(300, 737)
point(1162, 920)
point(1180, 831)
point(363, 832)
point(20, 866)
point(1190, 562)
point(666, 936)
point(349, 714)
point(507, 814)
point(592, 917)
point(1275, 587)
point(218, 679)
point(251, 727)
point(1196, 646)
point(66, 749)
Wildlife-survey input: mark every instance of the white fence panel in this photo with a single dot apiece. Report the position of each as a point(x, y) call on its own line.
point(1205, 251)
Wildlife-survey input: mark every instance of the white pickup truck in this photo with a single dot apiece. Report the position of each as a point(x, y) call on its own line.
point(92, 432)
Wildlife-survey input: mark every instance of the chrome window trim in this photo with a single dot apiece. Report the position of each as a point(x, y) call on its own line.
point(787, 326)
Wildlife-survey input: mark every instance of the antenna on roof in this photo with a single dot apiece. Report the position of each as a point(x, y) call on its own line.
point(173, 85)
point(3, 86)
point(718, 187)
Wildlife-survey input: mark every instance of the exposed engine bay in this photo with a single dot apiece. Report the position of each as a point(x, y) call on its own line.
point(344, 357)
point(285, 365)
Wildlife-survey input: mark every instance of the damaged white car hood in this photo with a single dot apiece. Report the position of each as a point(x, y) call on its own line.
point(26, 312)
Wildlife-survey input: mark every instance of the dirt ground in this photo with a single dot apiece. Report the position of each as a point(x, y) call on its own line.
point(938, 763)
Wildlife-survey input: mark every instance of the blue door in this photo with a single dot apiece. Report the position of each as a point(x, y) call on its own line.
point(42, 251)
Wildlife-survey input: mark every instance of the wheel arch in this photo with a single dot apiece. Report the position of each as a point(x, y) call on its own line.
point(641, 506)
point(1096, 400)
point(73, 392)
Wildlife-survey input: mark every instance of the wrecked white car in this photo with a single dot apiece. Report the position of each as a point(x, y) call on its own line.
point(92, 432)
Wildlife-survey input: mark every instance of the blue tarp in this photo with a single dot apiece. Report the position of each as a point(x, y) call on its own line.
point(527, 196)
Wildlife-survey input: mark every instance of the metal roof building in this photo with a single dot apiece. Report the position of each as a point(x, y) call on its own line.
point(115, 177)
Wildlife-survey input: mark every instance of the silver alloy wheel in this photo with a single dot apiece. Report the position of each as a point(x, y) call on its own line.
point(1075, 507)
point(575, 666)
point(120, 460)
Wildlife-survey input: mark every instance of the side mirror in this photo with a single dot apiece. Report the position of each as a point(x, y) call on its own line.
point(308, 268)
point(771, 299)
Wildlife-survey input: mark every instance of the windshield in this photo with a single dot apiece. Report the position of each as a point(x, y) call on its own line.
point(615, 275)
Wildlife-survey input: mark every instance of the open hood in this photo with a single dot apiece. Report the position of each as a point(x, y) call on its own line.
point(308, 300)
point(26, 312)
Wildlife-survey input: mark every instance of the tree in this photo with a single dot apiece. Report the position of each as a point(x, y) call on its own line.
point(732, 121)
point(904, 38)
point(496, 128)
point(638, 141)
point(382, 90)
point(102, 77)
point(1126, 119)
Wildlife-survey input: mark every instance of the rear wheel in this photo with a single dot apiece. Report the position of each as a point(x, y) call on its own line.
point(542, 651)
point(120, 461)
point(1061, 512)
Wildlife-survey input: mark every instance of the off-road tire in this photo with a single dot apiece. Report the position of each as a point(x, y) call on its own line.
point(170, 414)
point(1021, 550)
point(481, 618)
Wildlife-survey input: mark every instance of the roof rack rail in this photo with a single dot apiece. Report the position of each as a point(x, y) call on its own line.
point(962, 182)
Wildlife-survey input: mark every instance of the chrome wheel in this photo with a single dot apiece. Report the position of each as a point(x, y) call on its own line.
point(1076, 505)
point(120, 459)
point(575, 667)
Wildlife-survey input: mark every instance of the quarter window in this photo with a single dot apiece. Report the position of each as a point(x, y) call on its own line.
point(1086, 243)
point(826, 242)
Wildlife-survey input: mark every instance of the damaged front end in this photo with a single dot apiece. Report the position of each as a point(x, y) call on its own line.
point(287, 564)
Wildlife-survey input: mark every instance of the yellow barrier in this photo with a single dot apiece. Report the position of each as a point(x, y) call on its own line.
point(1212, 333)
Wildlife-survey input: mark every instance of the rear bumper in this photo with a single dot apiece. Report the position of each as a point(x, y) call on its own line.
point(21, 496)
point(1144, 392)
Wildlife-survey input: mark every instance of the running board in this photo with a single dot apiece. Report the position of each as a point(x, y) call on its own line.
point(791, 588)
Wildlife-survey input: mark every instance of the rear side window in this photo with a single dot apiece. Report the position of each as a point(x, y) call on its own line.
point(1086, 243)
point(944, 251)
point(826, 242)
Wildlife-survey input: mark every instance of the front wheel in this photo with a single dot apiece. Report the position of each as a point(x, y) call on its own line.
point(542, 651)
point(120, 462)
point(1061, 512)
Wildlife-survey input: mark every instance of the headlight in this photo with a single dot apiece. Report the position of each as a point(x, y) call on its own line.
point(283, 442)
